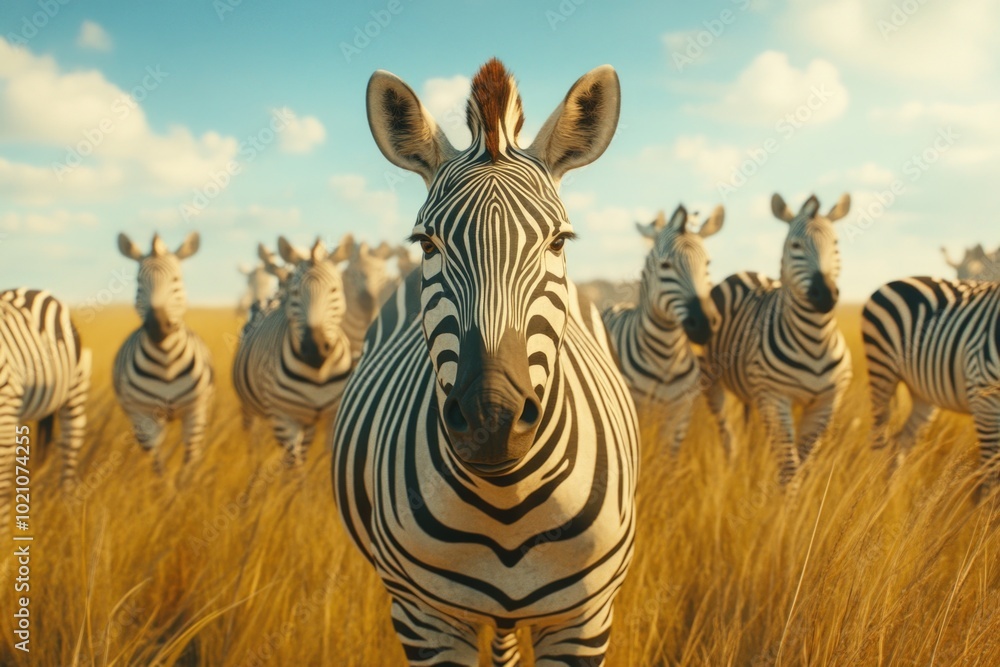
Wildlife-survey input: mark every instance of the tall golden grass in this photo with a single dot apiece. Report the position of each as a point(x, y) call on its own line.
point(247, 564)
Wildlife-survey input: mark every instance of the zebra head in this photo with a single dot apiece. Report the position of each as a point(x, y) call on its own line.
point(975, 265)
point(260, 282)
point(676, 281)
point(366, 276)
point(160, 298)
point(313, 302)
point(494, 291)
point(810, 263)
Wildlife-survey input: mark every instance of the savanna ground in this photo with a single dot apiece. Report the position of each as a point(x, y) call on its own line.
point(247, 564)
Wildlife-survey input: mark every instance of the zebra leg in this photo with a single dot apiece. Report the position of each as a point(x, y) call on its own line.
point(776, 412)
point(290, 435)
point(682, 420)
point(921, 414)
point(504, 649)
point(813, 425)
point(195, 422)
point(581, 642)
point(73, 421)
point(9, 408)
point(987, 418)
point(430, 638)
point(716, 395)
point(149, 430)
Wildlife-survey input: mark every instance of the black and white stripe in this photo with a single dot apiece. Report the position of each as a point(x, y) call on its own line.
point(294, 358)
point(653, 337)
point(44, 371)
point(485, 451)
point(779, 346)
point(163, 370)
point(941, 338)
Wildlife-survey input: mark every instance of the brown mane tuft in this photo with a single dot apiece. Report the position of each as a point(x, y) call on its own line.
point(491, 91)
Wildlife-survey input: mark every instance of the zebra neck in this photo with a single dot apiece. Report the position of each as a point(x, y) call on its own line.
point(660, 340)
point(169, 346)
point(798, 316)
point(337, 362)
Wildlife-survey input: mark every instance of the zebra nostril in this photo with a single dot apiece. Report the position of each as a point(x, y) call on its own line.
point(530, 412)
point(453, 416)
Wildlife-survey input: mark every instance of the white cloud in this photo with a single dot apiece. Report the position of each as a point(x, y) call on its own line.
point(253, 218)
point(579, 200)
point(93, 36)
point(945, 43)
point(300, 134)
point(105, 142)
point(55, 222)
point(445, 99)
point(770, 88)
point(968, 133)
point(715, 162)
point(378, 206)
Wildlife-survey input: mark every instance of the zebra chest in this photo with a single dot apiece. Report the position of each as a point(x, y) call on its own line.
point(462, 544)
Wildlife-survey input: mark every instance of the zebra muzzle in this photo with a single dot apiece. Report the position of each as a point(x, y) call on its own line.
point(492, 413)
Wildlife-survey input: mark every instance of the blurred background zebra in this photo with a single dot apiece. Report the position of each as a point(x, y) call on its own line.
point(292, 363)
point(163, 370)
point(367, 283)
point(976, 263)
point(260, 289)
point(44, 372)
point(653, 338)
point(779, 345)
point(940, 338)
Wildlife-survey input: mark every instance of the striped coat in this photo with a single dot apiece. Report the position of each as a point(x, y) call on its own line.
point(778, 345)
point(44, 371)
point(293, 360)
point(940, 338)
point(654, 337)
point(163, 370)
point(485, 452)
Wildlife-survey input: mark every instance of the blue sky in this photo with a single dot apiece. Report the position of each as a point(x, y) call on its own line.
point(123, 117)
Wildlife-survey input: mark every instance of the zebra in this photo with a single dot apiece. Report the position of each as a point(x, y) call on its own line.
point(291, 365)
point(44, 372)
point(485, 451)
point(163, 370)
point(367, 284)
point(404, 262)
point(259, 291)
point(653, 338)
point(941, 338)
point(976, 264)
point(778, 345)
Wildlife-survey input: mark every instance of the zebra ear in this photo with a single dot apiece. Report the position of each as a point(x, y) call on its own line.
point(348, 243)
point(582, 126)
point(948, 260)
point(714, 222)
point(288, 252)
point(244, 268)
point(343, 251)
point(648, 230)
point(318, 252)
point(841, 208)
point(780, 208)
point(678, 220)
point(159, 247)
point(271, 264)
point(189, 247)
point(128, 248)
point(810, 208)
point(403, 129)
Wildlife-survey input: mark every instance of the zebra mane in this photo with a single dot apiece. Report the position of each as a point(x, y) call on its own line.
point(493, 112)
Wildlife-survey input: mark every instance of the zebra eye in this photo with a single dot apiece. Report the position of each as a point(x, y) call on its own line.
point(428, 247)
point(666, 264)
point(795, 245)
point(557, 244)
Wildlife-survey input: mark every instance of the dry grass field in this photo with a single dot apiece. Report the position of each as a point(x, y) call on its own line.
point(247, 564)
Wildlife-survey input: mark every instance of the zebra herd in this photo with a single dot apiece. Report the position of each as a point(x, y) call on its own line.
point(486, 444)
